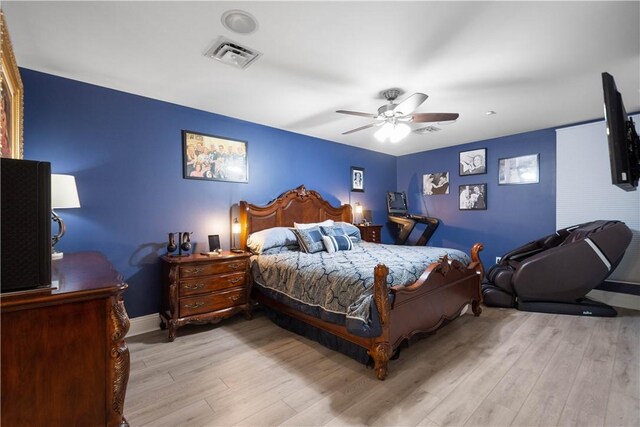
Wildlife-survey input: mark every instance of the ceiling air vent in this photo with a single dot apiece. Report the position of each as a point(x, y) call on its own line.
point(232, 53)
point(427, 129)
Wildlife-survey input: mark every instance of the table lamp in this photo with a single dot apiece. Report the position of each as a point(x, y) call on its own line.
point(358, 212)
point(235, 230)
point(64, 195)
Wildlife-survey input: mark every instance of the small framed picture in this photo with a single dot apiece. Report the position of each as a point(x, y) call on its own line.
point(214, 158)
point(473, 162)
point(435, 183)
point(357, 179)
point(473, 197)
point(519, 170)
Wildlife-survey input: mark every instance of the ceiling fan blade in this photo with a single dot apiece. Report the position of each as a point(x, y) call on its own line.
point(410, 104)
point(356, 113)
point(363, 128)
point(433, 117)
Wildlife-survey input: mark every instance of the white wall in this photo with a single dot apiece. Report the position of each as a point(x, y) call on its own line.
point(584, 191)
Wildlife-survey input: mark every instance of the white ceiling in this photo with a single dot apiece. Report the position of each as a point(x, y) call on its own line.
point(537, 64)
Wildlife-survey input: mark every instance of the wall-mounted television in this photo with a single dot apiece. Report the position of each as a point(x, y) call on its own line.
point(624, 146)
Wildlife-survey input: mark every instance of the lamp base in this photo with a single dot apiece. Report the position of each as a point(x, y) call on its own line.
point(236, 251)
point(57, 255)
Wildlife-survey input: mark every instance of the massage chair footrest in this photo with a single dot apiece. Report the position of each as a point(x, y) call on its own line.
point(493, 296)
point(582, 307)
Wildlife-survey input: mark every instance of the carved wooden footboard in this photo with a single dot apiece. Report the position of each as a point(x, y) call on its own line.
point(439, 295)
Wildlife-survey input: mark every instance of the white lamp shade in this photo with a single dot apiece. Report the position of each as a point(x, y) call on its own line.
point(235, 228)
point(384, 132)
point(358, 209)
point(400, 132)
point(64, 193)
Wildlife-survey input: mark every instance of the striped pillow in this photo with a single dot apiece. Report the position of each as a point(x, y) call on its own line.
point(335, 239)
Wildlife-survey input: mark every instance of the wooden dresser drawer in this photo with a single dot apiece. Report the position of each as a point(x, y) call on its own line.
point(213, 283)
point(199, 270)
point(212, 302)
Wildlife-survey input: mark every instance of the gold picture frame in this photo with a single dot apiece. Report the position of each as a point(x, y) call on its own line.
point(11, 99)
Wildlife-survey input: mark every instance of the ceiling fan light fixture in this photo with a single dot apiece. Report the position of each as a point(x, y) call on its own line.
point(384, 132)
point(400, 132)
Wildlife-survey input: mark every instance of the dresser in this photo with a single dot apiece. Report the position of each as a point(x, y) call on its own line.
point(64, 358)
point(370, 233)
point(204, 289)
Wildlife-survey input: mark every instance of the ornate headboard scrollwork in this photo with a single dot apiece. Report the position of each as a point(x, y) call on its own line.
point(297, 205)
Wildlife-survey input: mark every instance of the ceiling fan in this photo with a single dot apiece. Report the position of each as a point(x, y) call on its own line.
point(394, 117)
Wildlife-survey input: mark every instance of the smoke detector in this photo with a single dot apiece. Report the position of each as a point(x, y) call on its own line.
point(427, 129)
point(239, 21)
point(232, 53)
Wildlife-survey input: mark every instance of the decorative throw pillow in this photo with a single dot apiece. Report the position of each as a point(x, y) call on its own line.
point(310, 239)
point(335, 239)
point(351, 230)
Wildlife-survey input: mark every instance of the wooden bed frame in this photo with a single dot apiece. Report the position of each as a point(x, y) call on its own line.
point(438, 296)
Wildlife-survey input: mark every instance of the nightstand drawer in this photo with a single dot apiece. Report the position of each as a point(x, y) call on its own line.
point(212, 302)
point(370, 233)
point(199, 270)
point(213, 283)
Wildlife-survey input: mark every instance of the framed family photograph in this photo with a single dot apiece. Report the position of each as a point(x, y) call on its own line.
point(473, 162)
point(214, 158)
point(11, 99)
point(519, 170)
point(435, 183)
point(473, 197)
point(357, 179)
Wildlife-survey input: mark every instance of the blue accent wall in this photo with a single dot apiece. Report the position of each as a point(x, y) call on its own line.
point(516, 214)
point(126, 154)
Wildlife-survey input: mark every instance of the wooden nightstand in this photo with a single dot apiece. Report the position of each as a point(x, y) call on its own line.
point(370, 233)
point(204, 289)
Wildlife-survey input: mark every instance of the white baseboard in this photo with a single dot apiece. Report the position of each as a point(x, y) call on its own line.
point(143, 324)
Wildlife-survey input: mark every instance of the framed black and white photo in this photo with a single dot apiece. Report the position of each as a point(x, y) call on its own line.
point(473, 162)
point(435, 183)
point(214, 158)
point(473, 197)
point(357, 179)
point(519, 170)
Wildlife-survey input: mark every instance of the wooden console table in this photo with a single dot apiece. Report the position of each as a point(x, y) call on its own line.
point(64, 359)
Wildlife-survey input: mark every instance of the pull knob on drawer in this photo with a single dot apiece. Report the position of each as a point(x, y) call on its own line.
point(194, 305)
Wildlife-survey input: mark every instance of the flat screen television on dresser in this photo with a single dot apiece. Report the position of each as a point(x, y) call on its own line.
point(25, 224)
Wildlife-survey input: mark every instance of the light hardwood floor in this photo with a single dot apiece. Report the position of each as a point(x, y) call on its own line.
point(503, 368)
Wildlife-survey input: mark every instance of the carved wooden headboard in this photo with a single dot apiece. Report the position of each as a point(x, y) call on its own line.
point(297, 205)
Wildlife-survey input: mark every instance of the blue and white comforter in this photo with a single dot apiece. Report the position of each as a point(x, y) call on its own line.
point(338, 287)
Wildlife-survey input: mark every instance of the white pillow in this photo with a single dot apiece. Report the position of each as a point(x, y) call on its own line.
point(262, 240)
point(327, 223)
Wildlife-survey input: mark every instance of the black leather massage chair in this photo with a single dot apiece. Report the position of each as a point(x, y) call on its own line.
point(553, 274)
